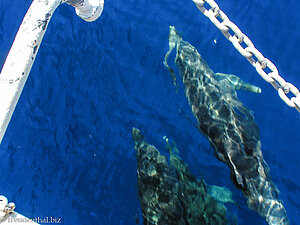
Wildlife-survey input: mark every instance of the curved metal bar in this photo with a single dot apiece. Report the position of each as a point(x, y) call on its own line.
point(25, 47)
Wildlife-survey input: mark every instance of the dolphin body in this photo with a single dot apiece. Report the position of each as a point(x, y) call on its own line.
point(229, 126)
point(170, 194)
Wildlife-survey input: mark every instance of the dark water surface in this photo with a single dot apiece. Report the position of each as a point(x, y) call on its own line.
point(68, 151)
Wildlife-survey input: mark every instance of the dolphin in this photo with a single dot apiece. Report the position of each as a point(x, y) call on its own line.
point(169, 193)
point(157, 189)
point(229, 126)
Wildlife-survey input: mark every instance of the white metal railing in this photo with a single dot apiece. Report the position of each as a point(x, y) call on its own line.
point(260, 63)
point(25, 47)
point(18, 65)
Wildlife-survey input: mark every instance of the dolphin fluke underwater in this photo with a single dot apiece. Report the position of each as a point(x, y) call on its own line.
point(229, 126)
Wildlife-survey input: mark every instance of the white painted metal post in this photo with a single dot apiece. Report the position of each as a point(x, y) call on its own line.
point(25, 47)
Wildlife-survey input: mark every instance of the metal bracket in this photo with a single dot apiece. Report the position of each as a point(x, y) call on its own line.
point(90, 10)
point(5, 207)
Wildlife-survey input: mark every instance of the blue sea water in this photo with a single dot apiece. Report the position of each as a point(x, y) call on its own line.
point(68, 151)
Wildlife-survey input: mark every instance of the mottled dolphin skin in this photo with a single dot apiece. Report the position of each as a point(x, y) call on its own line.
point(169, 193)
point(157, 189)
point(229, 126)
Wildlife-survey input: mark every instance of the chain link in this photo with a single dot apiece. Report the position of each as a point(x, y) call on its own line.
point(260, 63)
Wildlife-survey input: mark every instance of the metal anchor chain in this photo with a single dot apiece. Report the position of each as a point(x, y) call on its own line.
point(254, 56)
point(5, 207)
